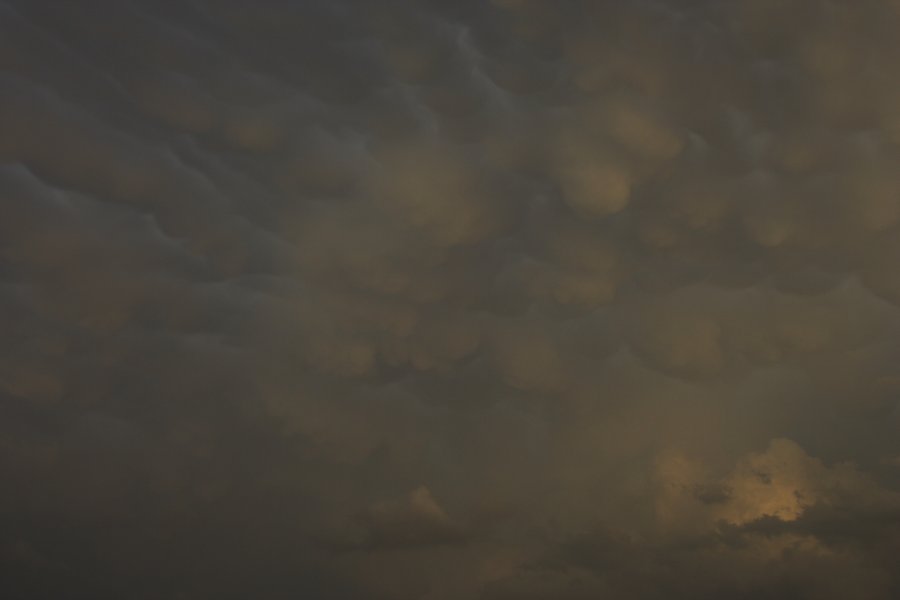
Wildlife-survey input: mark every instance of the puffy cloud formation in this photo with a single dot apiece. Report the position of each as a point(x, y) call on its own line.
point(470, 299)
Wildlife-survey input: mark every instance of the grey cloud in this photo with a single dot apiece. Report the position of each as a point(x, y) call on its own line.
point(417, 521)
point(507, 299)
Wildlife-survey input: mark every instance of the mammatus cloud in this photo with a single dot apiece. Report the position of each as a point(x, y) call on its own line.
point(449, 300)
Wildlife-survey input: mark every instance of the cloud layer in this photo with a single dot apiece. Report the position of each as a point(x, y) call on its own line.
point(489, 300)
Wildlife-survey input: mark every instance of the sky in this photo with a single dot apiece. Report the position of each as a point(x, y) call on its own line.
point(449, 300)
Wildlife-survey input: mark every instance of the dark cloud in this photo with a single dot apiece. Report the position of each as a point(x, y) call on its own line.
point(472, 300)
point(418, 521)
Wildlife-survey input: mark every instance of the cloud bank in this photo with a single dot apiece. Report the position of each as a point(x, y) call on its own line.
point(489, 300)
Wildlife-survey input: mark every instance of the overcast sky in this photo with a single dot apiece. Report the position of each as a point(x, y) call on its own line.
point(449, 299)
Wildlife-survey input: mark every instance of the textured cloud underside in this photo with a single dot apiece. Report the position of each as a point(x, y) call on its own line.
point(489, 300)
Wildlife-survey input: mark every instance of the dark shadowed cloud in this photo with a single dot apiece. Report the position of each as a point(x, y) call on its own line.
point(449, 300)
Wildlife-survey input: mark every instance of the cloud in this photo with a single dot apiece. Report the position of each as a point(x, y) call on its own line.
point(415, 522)
point(617, 281)
point(782, 484)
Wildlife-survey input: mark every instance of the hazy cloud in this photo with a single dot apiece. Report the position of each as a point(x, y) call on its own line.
point(469, 300)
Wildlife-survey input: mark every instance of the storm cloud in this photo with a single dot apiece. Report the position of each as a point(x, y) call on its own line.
point(449, 300)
